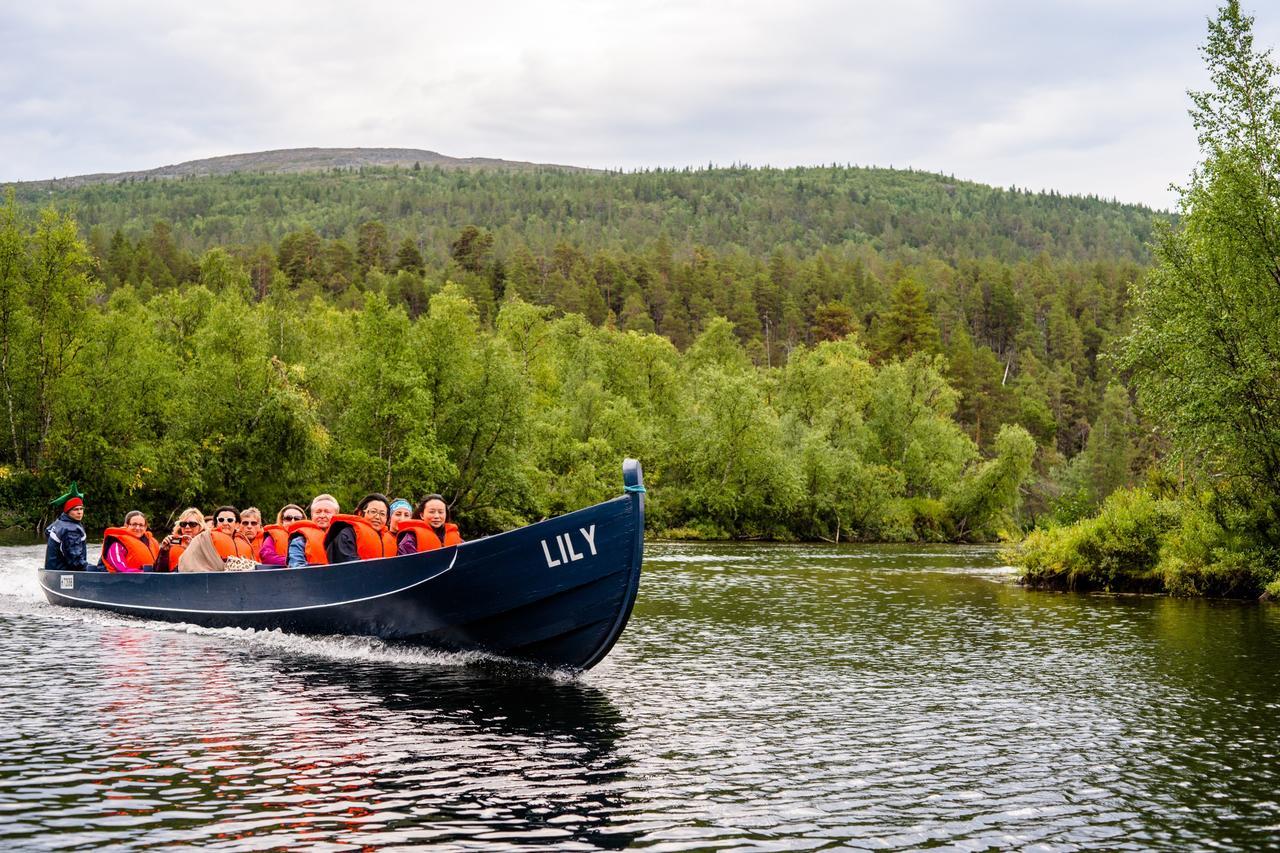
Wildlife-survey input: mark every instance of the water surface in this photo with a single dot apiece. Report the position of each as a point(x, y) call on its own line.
point(763, 698)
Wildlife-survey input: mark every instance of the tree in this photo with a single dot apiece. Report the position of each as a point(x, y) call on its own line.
point(409, 258)
point(833, 321)
point(471, 249)
point(372, 247)
point(907, 327)
point(1205, 344)
point(990, 490)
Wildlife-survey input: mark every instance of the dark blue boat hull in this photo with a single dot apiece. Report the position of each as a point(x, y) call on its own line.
point(556, 593)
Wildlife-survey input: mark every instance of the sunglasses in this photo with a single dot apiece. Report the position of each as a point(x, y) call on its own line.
point(188, 524)
point(250, 522)
point(291, 518)
point(227, 520)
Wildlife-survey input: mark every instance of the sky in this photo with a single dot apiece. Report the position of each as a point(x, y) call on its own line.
point(1082, 97)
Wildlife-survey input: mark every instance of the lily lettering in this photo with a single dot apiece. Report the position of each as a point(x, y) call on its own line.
point(564, 547)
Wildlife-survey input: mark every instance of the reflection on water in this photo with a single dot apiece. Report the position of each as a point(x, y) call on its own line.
point(200, 742)
point(763, 697)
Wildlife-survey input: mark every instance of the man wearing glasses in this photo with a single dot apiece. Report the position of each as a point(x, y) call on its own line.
point(251, 527)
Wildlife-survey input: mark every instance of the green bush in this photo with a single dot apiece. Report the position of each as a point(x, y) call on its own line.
point(1201, 558)
point(1118, 549)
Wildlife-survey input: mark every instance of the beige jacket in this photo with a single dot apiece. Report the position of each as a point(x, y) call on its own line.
point(201, 556)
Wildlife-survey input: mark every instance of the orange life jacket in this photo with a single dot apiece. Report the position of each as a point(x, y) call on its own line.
point(370, 543)
point(314, 536)
point(279, 538)
point(427, 538)
point(388, 542)
point(139, 553)
point(231, 546)
point(175, 554)
point(256, 542)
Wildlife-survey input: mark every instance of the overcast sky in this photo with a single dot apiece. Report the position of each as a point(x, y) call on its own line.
point(1083, 97)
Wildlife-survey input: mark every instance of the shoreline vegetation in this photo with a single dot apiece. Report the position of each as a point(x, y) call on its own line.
point(1203, 354)
point(881, 388)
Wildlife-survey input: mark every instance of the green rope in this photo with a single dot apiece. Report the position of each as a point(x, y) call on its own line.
point(633, 488)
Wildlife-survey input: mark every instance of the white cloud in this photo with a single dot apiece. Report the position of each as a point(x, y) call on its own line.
point(1081, 97)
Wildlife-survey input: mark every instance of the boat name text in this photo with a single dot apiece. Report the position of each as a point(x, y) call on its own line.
point(564, 546)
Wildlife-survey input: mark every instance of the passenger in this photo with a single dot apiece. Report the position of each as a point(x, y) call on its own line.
point(65, 550)
point(274, 550)
point(401, 510)
point(306, 538)
point(429, 528)
point(362, 536)
point(251, 527)
point(131, 548)
point(209, 550)
point(190, 523)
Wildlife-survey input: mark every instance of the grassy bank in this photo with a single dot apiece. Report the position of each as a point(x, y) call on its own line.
point(1144, 542)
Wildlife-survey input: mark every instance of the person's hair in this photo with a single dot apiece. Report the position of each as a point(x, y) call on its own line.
point(251, 510)
point(420, 510)
point(128, 516)
point(280, 515)
point(220, 510)
point(373, 498)
point(189, 514)
point(325, 497)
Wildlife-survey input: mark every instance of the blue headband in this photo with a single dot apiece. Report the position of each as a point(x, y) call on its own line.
point(398, 503)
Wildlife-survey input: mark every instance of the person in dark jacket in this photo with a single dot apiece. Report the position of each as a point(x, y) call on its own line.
point(340, 542)
point(65, 551)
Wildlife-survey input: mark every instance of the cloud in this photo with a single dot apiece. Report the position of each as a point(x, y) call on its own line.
point(1083, 97)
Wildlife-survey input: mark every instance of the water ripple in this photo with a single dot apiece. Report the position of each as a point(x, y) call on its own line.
point(763, 698)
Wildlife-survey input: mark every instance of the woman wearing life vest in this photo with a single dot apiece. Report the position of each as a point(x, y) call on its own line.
point(226, 540)
point(306, 538)
point(131, 548)
point(401, 510)
point(361, 536)
point(274, 550)
point(429, 528)
point(190, 523)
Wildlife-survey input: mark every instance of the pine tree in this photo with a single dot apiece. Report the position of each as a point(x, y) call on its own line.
point(907, 327)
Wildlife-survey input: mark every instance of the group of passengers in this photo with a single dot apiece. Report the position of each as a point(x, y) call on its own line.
point(379, 527)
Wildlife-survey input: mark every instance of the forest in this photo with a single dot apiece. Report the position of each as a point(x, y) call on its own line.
point(835, 353)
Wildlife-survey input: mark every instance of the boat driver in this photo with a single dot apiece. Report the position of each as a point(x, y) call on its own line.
point(65, 550)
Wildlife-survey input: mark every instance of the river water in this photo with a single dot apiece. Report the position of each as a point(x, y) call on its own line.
point(763, 697)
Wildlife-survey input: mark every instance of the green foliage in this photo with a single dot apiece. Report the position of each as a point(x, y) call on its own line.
point(534, 329)
point(805, 209)
point(982, 503)
point(1118, 549)
point(1205, 345)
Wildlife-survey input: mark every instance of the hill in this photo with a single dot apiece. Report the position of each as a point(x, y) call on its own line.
point(759, 210)
point(293, 160)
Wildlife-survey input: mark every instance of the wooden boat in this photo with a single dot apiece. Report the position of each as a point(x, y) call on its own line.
point(556, 593)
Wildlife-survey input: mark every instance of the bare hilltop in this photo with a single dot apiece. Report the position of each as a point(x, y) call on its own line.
point(287, 160)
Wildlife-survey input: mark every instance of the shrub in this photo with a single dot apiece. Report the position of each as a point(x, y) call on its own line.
point(1118, 549)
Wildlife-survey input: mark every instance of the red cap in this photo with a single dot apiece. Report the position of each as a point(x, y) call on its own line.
point(72, 503)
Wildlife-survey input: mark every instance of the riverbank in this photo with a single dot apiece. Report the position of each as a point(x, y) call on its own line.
point(1141, 542)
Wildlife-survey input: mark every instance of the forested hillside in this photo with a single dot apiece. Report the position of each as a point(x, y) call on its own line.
point(820, 352)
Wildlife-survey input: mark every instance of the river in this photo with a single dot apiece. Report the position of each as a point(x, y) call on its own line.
point(763, 697)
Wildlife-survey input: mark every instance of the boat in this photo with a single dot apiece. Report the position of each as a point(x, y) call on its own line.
point(556, 593)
